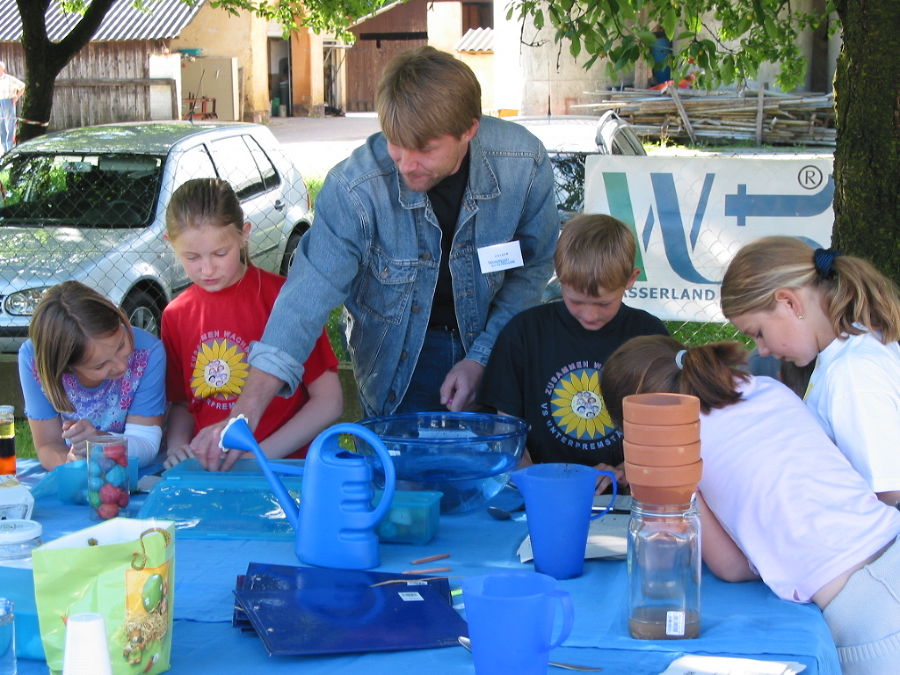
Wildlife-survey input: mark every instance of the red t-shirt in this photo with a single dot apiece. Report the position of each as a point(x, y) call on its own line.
point(207, 338)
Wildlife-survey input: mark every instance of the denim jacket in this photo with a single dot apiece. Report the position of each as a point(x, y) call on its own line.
point(375, 246)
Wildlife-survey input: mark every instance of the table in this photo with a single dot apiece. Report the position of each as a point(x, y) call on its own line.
point(744, 619)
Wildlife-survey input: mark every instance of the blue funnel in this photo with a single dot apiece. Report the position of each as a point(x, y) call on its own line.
point(237, 436)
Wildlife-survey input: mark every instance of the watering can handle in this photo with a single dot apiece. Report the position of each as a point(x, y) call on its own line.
point(387, 463)
point(615, 492)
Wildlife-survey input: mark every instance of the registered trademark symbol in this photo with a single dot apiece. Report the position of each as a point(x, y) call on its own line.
point(810, 177)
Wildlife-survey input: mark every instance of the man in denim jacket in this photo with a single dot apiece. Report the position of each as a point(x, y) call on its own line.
point(433, 235)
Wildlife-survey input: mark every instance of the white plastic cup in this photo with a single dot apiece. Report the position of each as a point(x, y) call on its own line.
point(87, 651)
point(7, 638)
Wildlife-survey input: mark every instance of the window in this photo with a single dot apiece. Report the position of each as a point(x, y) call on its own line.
point(236, 165)
point(263, 163)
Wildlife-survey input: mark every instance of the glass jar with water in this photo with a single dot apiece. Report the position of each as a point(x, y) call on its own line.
point(664, 571)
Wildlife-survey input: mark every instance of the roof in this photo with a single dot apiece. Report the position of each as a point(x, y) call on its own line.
point(164, 19)
point(477, 40)
point(144, 138)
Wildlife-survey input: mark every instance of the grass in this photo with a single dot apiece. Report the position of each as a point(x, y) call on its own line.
point(24, 444)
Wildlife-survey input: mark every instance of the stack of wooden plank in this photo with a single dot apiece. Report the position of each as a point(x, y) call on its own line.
point(760, 116)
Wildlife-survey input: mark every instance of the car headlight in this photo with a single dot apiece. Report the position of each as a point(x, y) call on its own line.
point(23, 303)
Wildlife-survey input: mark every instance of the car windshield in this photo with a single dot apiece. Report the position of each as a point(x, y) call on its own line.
point(83, 190)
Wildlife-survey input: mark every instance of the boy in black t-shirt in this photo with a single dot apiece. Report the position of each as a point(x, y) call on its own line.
point(545, 366)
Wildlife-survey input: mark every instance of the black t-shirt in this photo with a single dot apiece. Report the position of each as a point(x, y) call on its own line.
point(545, 368)
point(446, 201)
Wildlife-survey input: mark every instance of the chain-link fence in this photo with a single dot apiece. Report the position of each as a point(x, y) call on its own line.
point(89, 204)
point(569, 174)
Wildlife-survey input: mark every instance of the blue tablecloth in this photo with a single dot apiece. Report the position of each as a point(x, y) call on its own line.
point(737, 619)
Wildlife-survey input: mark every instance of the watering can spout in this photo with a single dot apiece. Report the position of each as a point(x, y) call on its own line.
point(237, 436)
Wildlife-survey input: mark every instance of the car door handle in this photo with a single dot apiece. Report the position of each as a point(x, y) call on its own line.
point(279, 205)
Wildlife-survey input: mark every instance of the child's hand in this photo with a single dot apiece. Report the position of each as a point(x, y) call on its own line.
point(603, 481)
point(177, 456)
point(75, 433)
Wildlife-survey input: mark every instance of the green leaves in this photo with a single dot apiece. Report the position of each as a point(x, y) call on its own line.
point(727, 40)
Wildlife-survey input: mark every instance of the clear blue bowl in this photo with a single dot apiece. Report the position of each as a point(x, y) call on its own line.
point(466, 456)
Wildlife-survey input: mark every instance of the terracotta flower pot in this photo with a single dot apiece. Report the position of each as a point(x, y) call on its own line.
point(677, 494)
point(663, 484)
point(663, 476)
point(661, 434)
point(661, 455)
point(661, 409)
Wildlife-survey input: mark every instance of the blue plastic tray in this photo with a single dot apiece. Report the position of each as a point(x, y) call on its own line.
point(240, 504)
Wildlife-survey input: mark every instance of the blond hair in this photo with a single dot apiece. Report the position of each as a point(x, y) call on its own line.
point(67, 318)
point(424, 94)
point(206, 201)
point(852, 291)
point(647, 364)
point(595, 252)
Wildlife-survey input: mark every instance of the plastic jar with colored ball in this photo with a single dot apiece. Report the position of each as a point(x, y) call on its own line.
point(107, 480)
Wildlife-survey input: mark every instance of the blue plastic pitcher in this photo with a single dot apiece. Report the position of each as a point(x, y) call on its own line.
point(511, 617)
point(335, 524)
point(558, 501)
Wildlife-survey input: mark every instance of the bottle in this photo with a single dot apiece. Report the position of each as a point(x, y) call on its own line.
point(7, 441)
point(664, 571)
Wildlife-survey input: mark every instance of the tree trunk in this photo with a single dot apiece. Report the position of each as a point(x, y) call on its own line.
point(867, 106)
point(44, 59)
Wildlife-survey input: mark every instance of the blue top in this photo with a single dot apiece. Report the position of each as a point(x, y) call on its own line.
point(376, 248)
point(140, 391)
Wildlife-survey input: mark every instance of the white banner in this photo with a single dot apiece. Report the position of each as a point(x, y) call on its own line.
point(690, 215)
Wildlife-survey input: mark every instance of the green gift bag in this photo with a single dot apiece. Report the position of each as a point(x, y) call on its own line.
point(123, 569)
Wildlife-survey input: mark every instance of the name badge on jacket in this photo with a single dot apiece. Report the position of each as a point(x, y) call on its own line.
point(500, 257)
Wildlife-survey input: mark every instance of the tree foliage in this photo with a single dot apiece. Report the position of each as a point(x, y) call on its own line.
point(726, 39)
point(319, 15)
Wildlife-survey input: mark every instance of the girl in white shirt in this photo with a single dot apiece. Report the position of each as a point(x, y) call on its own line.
point(838, 311)
point(778, 501)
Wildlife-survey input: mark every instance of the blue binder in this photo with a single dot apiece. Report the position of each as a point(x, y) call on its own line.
point(317, 610)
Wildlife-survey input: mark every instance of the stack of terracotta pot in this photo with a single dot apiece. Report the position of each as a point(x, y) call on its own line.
point(662, 447)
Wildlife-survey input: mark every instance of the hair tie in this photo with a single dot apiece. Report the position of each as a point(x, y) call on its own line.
point(823, 260)
point(679, 359)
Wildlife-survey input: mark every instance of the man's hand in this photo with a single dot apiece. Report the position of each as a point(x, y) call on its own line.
point(259, 390)
point(461, 384)
point(205, 447)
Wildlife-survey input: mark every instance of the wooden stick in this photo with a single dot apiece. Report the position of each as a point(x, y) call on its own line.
point(430, 570)
point(428, 559)
point(406, 581)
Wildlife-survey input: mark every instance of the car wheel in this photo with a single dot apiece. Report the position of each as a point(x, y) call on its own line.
point(143, 311)
point(289, 250)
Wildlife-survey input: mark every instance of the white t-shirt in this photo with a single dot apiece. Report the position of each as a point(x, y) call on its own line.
point(854, 391)
point(9, 85)
point(785, 493)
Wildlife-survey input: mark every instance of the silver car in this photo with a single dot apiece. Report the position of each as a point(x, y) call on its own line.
point(569, 139)
point(89, 204)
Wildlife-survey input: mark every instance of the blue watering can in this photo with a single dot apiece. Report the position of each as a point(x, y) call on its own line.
point(335, 524)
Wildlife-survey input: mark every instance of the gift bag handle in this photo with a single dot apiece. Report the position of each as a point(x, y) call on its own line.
point(139, 560)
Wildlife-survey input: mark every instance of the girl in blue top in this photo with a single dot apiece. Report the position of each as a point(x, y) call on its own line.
point(86, 372)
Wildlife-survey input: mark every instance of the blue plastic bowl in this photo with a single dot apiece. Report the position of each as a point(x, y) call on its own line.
point(465, 456)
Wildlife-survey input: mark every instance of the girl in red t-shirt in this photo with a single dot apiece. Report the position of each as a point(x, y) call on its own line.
point(208, 330)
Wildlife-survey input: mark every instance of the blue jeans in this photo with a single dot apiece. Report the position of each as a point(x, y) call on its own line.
point(7, 123)
point(441, 351)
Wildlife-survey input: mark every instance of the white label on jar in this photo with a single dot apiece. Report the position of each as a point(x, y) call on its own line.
point(675, 623)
